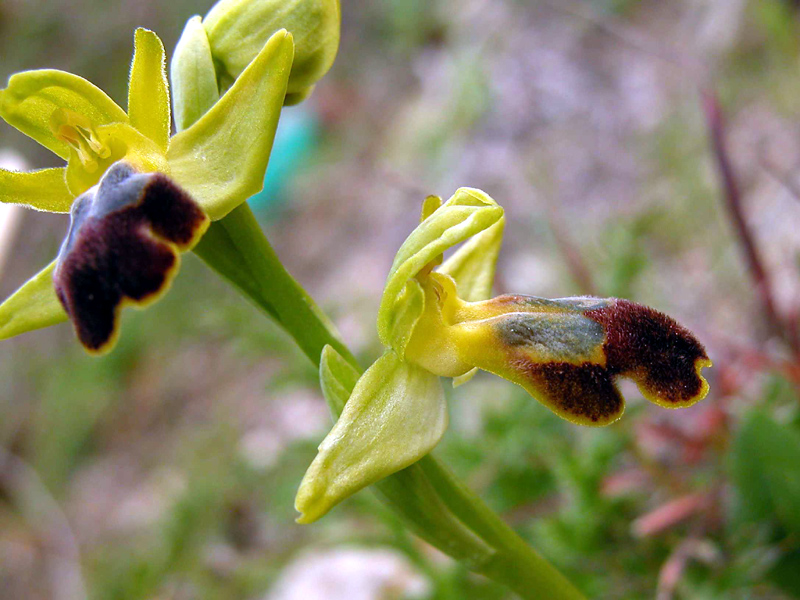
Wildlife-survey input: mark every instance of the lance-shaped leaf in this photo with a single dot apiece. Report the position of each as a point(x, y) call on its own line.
point(32, 306)
point(45, 189)
point(395, 416)
point(32, 97)
point(221, 159)
point(467, 213)
point(194, 78)
point(148, 90)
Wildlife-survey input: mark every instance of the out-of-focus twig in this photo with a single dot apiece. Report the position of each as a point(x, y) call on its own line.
point(675, 565)
point(733, 198)
point(792, 319)
point(41, 511)
point(576, 264)
point(780, 176)
point(670, 514)
point(629, 36)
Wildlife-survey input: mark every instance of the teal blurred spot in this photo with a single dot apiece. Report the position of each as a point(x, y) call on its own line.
point(295, 141)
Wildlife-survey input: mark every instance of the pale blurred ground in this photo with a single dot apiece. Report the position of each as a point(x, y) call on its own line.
point(168, 469)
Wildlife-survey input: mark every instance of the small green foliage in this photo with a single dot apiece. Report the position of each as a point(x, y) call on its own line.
point(766, 469)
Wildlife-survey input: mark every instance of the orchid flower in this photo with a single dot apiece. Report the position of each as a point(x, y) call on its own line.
point(438, 322)
point(138, 197)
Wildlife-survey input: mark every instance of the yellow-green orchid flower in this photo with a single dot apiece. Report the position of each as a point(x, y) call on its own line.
point(137, 196)
point(566, 353)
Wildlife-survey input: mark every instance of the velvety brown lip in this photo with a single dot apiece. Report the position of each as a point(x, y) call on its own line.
point(584, 391)
point(652, 349)
point(122, 246)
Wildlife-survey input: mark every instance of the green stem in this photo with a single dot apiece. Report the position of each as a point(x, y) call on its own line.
point(515, 564)
point(437, 506)
point(237, 249)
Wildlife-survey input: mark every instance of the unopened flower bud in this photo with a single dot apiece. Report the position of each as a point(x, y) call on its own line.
point(238, 29)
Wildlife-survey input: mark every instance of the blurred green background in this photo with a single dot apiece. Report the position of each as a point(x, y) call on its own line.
point(167, 470)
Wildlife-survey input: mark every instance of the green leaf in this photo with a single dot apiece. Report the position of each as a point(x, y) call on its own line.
point(395, 416)
point(148, 90)
point(766, 471)
point(32, 97)
point(194, 78)
point(786, 573)
point(45, 189)
point(221, 159)
point(32, 306)
point(466, 214)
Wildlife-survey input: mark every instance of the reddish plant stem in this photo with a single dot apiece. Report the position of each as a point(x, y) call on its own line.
point(733, 200)
point(576, 264)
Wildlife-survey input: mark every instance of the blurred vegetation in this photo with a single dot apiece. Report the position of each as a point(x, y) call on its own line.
point(175, 459)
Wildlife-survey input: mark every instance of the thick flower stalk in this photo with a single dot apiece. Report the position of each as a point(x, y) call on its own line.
point(437, 322)
point(137, 196)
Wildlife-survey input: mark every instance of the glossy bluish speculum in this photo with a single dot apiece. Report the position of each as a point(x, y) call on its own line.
point(122, 247)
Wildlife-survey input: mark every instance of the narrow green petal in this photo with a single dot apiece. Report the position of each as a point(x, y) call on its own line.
point(222, 158)
point(464, 215)
point(396, 415)
point(194, 78)
point(148, 90)
point(32, 97)
point(465, 378)
point(410, 307)
point(337, 379)
point(429, 206)
point(32, 306)
point(473, 265)
point(42, 190)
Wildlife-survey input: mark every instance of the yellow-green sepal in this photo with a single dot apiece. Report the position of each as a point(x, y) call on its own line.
point(193, 76)
point(395, 416)
point(45, 189)
point(473, 265)
point(465, 214)
point(33, 306)
point(221, 159)
point(409, 491)
point(148, 89)
point(32, 97)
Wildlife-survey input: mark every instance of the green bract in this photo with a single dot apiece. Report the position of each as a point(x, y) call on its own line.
point(439, 322)
point(219, 161)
